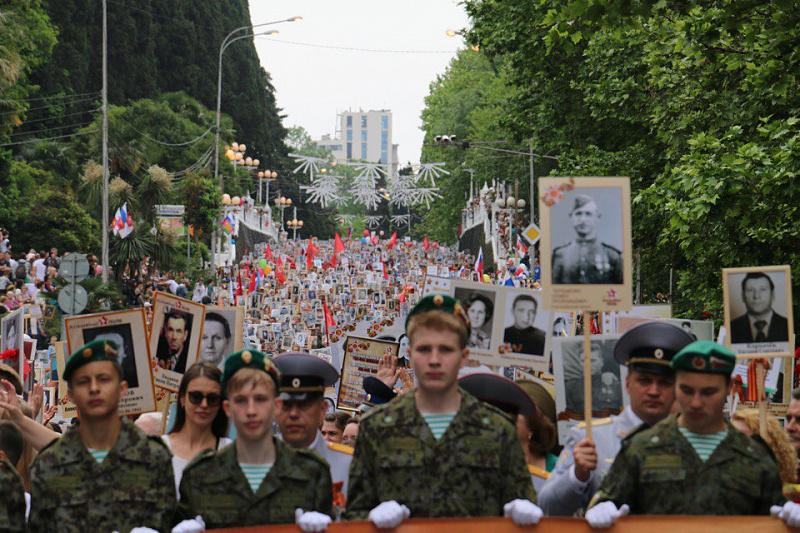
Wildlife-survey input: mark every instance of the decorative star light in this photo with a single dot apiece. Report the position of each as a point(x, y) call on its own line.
point(373, 221)
point(346, 219)
point(401, 220)
point(366, 195)
point(371, 170)
point(308, 164)
point(426, 194)
point(429, 171)
point(324, 191)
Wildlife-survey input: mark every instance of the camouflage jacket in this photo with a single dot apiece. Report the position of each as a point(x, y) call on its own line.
point(214, 487)
point(473, 470)
point(658, 472)
point(12, 502)
point(134, 486)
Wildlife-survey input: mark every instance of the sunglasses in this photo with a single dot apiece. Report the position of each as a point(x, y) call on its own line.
point(196, 397)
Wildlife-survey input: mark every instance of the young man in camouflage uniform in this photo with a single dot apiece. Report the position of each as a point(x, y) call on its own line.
point(257, 480)
point(104, 474)
point(438, 451)
point(693, 463)
point(12, 502)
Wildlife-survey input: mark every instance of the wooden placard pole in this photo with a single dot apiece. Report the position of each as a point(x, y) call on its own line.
point(587, 373)
point(165, 412)
point(762, 398)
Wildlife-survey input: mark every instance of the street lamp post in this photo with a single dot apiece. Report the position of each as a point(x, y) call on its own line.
point(295, 224)
point(229, 39)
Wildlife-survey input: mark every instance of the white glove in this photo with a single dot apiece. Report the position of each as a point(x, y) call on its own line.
point(523, 512)
point(605, 514)
point(195, 525)
point(389, 515)
point(789, 513)
point(311, 521)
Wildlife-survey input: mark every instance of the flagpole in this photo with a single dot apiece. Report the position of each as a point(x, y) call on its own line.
point(104, 223)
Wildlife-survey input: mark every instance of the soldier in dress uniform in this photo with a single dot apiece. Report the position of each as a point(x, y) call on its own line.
point(303, 382)
point(510, 398)
point(437, 451)
point(646, 349)
point(256, 480)
point(586, 260)
point(104, 474)
point(694, 462)
point(12, 504)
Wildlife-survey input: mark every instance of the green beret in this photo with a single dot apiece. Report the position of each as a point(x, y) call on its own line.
point(250, 359)
point(440, 302)
point(707, 357)
point(97, 350)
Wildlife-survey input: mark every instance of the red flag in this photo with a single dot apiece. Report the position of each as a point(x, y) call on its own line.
point(311, 251)
point(238, 285)
point(268, 253)
point(375, 240)
point(279, 262)
point(252, 287)
point(426, 244)
point(392, 241)
point(280, 275)
point(338, 245)
point(333, 260)
point(385, 274)
point(329, 323)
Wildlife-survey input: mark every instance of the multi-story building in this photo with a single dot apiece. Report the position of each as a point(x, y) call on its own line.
point(363, 136)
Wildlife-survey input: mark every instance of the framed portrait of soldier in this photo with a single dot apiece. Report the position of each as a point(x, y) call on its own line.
point(128, 330)
point(480, 308)
point(585, 245)
point(758, 311)
point(608, 376)
point(13, 334)
point(223, 329)
point(175, 337)
point(525, 326)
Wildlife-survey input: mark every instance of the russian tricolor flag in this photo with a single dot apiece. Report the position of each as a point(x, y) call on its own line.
point(479, 262)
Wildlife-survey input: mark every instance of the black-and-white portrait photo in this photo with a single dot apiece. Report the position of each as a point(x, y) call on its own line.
point(216, 342)
point(758, 310)
point(607, 386)
point(587, 237)
point(121, 335)
point(526, 323)
point(12, 331)
point(479, 306)
point(172, 351)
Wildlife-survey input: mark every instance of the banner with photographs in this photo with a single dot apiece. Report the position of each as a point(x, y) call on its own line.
point(585, 245)
point(223, 329)
point(758, 311)
point(700, 330)
point(175, 336)
point(13, 330)
point(360, 359)
point(509, 326)
point(608, 377)
point(66, 409)
point(128, 330)
point(652, 311)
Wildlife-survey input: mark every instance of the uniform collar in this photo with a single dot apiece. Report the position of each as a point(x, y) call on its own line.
point(131, 439)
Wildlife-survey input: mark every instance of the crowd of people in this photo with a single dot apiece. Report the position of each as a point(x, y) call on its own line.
point(254, 440)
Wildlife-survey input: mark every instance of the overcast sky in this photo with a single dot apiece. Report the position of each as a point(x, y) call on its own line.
point(314, 83)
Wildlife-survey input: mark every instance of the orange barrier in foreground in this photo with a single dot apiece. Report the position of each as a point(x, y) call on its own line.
point(629, 524)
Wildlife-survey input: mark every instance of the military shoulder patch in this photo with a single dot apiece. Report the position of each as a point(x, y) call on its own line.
point(342, 448)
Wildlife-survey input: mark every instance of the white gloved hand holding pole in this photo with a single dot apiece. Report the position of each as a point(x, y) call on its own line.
point(605, 514)
point(311, 520)
point(195, 525)
point(389, 514)
point(789, 513)
point(523, 512)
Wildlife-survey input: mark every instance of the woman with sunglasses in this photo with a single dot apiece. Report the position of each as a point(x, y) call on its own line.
point(200, 424)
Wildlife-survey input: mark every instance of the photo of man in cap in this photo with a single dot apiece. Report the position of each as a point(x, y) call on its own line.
point(760, 323)
point(586, 260)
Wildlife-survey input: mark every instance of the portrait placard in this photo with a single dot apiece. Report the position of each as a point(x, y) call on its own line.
point(223, 331)
point(654, 311)
point(12, 326)
point(66, 409)
point(585, 247)
point(701, 330)
point(360, 359)
point(128, 330)
point(175, 336)
point(608, 392)
point(758, 311)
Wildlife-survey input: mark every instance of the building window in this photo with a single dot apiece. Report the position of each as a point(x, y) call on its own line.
point(363, 150)
point(384, 158)
point(349, 135)
point(384, 122)
point(349, 121)
point(384, 140)
point(363, 121)
point(349, 150)
point(363, 136)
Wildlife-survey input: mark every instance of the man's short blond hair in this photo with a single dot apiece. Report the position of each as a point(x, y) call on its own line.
point(249, 376)
point(438, 321)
